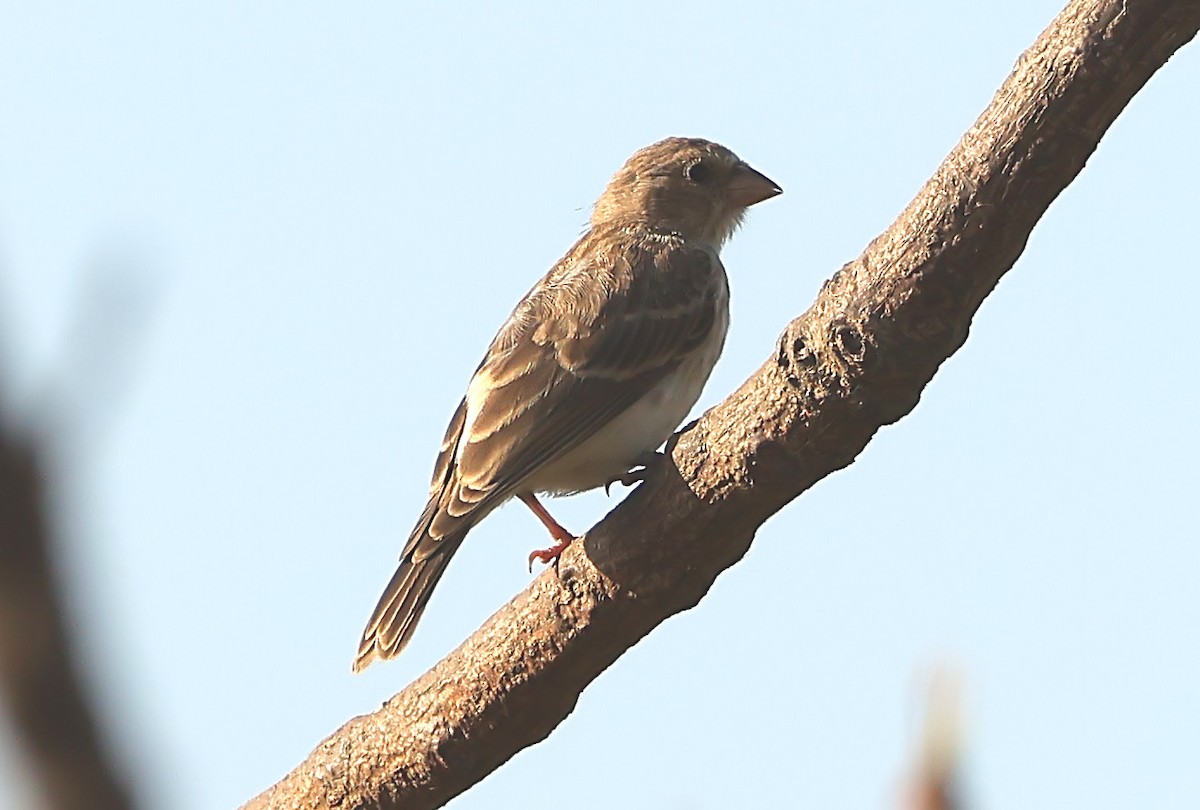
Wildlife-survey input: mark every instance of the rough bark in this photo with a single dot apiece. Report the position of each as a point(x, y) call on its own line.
point(855, 361)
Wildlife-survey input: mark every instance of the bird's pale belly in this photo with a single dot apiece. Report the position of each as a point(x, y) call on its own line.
point(642, 428)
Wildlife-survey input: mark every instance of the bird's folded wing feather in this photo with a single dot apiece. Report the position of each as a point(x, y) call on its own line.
point(593, 337)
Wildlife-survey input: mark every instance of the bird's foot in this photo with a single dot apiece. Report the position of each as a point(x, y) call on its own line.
point(562, 537)
point(642, 465)
point(549, 555)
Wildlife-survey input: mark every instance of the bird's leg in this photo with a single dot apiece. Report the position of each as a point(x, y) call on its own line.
point(646, 461)
point(561, 535)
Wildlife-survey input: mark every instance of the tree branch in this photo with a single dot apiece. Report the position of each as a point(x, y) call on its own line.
point(855, 361)
point(38, 676)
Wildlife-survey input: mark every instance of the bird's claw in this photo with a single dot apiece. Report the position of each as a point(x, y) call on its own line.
point(626, 479)
point(549, 555)
point(643, 464)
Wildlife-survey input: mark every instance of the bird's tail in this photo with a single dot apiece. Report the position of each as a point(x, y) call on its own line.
point(404, 600)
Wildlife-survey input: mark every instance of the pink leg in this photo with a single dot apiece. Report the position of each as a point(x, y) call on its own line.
point(561, 535)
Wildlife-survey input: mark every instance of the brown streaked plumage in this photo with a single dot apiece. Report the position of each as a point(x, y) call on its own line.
point(597, 365)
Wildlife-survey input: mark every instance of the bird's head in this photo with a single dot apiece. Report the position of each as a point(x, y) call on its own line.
point(694, 187)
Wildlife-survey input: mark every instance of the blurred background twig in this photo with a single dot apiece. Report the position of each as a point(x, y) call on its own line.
point(43, 685)
point(42, 688)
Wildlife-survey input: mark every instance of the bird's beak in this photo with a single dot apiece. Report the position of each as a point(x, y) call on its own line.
point(748, 187)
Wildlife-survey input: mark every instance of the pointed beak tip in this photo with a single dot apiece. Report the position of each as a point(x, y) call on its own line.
point(751, 186)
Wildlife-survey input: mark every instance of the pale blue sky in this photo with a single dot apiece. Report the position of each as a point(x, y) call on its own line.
point(316, 216)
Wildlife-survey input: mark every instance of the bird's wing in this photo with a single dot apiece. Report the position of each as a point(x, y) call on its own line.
point(586, 343)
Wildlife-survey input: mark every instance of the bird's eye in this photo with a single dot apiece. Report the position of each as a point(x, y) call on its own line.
point(698, 173)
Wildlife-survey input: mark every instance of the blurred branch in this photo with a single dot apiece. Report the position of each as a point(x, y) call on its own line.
point(37, 673)
point(855, 361)
point(94, 365)
point(39, 680)
point(935, 781)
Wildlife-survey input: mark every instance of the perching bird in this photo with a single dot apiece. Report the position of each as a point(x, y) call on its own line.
point(595, 368)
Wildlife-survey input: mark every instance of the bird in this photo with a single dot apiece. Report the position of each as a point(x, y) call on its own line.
point(595, 368)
